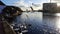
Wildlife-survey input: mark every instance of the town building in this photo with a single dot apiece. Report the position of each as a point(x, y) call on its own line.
point(50, 7)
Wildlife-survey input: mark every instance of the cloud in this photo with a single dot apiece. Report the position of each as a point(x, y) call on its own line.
point(21, 3)
point(30, 1)
point(58, 1)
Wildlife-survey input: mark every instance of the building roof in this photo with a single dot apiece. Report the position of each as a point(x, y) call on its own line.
point(1, 3)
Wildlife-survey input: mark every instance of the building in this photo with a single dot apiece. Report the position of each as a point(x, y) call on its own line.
point(50, 7)
point(58, 9)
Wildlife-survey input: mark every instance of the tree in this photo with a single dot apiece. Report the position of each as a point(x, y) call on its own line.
point(10, 12)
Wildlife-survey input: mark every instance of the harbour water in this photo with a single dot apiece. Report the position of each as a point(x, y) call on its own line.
point(33, 18)
point(40, 24)
point(52, 22)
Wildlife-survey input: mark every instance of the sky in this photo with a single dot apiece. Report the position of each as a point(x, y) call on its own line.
point(37, 4)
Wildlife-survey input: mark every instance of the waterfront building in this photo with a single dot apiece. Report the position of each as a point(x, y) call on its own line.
point(50, 7)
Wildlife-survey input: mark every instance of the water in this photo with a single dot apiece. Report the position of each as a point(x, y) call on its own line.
point(40, 24)
point(53, 22)
point(30, 17)
point(33, 18)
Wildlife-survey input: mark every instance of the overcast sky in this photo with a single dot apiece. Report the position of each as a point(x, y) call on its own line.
point(37, 4)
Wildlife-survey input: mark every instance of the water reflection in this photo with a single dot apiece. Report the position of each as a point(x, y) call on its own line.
point(57, 14)
point(30, 17)
point(33, 18)
point(53, 21)
point(40, 24)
